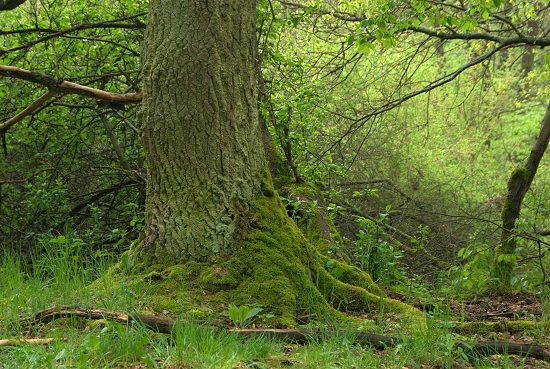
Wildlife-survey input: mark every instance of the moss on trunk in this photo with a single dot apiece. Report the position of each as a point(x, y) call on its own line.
point(275, 267)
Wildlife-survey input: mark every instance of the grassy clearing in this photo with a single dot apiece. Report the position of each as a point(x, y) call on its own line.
point(62, 274)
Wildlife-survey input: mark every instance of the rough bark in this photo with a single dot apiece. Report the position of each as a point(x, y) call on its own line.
point(200, 126)
point(518, 185)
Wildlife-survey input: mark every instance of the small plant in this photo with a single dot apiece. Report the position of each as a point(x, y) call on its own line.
point(242, 315)
point(374, 254)
point(473, 275)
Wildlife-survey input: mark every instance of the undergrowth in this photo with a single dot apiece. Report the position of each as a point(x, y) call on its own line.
point(62, 273)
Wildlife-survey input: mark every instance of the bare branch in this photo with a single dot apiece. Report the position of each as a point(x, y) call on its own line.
point(67, 87)
point(113, 139)
point(28, 110)
point(517, 40)
point(395, 103)
point(109, 24)
point(25, 180)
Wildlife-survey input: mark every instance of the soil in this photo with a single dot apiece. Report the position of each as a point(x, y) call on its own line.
point(497, 307)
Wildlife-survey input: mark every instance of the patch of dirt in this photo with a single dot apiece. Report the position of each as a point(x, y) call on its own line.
point(496, 307)
point(493, 307)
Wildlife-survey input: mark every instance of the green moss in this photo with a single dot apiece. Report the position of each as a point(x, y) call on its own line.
point(198, 314)
point(520, 174)
point(354, 276)
point(512, 326)
point(224, 274)
point(275, 266)
point(350, 297)
point(508, 209)
point(314, 221)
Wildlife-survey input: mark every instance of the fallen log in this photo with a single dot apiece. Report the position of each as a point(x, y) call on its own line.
point(303, 336)
point(380, 342)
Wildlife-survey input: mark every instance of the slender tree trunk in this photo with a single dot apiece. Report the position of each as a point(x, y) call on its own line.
point(200, 126)
point(518, 185)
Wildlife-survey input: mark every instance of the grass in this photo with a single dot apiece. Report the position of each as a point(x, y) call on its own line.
point(62, 273)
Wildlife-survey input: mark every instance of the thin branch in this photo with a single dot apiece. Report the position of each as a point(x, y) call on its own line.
point(67, 87)
point(113, 139)
point(109, 24)
point(28, 110)
point(100, 194)
point(22, 341)
point(517, 40)
point(395, 103)
point(25, 180)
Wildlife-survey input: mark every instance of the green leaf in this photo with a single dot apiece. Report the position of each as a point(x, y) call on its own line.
point(547, 61)
point(365, 47)
point(337, 272)
point(60, 354)
point(389, 43)
point(252, 313)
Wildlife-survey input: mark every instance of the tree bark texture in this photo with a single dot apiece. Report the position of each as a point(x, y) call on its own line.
point(200, 126)
point(518, 185)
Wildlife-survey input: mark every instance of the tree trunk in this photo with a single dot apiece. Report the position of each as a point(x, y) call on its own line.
point(200, 126)
point(215, 232)
point(518, 185)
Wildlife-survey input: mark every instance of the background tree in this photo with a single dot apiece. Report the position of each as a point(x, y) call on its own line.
point(481, 30)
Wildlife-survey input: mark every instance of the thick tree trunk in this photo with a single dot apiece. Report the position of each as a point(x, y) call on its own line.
point(200, 126)
point(213, 223)
point(518, 185)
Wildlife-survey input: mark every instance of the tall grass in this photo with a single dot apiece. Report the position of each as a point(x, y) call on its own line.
point(59, 274)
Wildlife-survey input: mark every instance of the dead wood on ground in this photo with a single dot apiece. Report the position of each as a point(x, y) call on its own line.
point(164, 325)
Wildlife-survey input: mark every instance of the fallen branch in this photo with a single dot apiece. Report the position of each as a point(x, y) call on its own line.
point(305, 336)
point(164, 325)
point(483, 349)
point(19, 341)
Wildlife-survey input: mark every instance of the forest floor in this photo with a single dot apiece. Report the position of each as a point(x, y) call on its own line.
point(83, 343)
point(495, 308)
point(332, 353)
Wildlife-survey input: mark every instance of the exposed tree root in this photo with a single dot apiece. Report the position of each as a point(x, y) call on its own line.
point(164, 325)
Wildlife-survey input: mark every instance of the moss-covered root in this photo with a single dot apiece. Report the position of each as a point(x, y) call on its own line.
point(276, 267)
point(354, 297)
point(515, 326)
